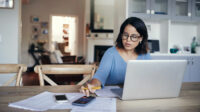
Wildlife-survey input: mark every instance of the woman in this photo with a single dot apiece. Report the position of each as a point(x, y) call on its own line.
point(131, 44)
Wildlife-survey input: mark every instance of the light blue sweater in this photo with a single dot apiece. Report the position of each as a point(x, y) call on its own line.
point(112, 67)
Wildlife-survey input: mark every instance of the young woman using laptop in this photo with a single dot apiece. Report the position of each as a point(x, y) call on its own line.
point(131, 44)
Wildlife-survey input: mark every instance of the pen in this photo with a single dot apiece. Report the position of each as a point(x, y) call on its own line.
point(94, 88)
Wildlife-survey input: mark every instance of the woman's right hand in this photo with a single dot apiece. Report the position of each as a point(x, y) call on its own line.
point(87, 89)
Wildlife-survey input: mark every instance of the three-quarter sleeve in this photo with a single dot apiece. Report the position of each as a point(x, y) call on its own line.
point(104, 67)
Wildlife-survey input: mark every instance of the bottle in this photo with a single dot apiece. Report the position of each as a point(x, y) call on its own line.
point(193, 45)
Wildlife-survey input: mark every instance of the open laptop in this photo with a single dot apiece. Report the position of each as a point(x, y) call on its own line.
point(147, 79)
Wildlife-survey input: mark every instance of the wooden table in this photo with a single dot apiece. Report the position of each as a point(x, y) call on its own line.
point(189, 100)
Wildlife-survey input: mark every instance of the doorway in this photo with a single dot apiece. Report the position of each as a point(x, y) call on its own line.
point(64, 34)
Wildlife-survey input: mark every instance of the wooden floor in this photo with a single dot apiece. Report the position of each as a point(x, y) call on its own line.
point(31, 79)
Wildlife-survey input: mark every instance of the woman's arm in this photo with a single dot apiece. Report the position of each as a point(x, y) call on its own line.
point(102, 73)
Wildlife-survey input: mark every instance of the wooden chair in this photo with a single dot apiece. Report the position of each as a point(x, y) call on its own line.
point(86, 70)
point(13, 68)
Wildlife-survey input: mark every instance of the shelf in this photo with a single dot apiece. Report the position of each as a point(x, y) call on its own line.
point(184, 1)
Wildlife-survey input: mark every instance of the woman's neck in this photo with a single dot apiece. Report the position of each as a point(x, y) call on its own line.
point(129, 52)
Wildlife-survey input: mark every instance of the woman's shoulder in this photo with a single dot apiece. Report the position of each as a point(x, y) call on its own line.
point(111, 50)
point(144, 56)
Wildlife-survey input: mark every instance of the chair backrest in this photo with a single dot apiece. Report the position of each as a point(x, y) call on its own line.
point(86, 70)
point(13, 68)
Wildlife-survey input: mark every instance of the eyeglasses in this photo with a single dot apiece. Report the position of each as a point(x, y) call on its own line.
point(133, 37)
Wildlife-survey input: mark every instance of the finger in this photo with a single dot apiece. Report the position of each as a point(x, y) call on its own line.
point(87, 93)
point(92, 90)
point(82, 90)
point(90, 87)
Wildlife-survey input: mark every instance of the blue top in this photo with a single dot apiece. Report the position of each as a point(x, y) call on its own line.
point(112, 67)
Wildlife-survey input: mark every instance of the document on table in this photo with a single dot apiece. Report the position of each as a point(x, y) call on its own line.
point(110, 91)
point(46, 100)
point(99, 105)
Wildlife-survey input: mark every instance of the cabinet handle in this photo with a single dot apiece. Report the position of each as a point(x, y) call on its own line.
point(148, 11)
point(189, 14)
point(188, 62)
point(192, 62)
point(152, 12)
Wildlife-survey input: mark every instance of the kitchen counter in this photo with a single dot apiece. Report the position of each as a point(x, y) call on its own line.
point(168, 54)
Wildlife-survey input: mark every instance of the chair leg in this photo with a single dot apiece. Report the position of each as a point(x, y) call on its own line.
point(19, 76)
point(84, 80)
point(40, 77)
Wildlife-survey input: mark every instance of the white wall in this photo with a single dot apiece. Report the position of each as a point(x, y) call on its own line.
point(10, 37)
point(153, 29)
point(10, 33)
point(182, 34)
point(43, 9)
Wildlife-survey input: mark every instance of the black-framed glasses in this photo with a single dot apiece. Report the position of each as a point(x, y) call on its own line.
point(133, 37)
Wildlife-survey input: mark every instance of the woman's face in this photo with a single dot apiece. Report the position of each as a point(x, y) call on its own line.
point(130, 38)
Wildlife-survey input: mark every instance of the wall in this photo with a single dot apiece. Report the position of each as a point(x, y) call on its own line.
point(10, 37)
point(10, 33)
point(43, 9)
point(182, 34)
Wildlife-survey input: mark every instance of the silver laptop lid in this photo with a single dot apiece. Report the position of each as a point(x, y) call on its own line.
point(146, 79)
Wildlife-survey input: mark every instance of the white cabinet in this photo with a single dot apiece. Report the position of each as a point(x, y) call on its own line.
point(177, 10)
point(196, 10)
point(182, 10)
point(149, 8)
point(186, 10)
point(195, 68)
point(192, 73)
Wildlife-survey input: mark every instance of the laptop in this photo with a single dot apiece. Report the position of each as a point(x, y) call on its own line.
point(148, 79)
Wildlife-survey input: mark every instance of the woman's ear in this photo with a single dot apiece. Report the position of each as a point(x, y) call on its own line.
point(141, 39)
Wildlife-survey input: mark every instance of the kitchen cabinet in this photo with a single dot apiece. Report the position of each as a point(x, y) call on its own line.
point(186, 10)
point(196, 10)
point(176, 10)
point(192, 72)
point(149, 8)
point(182, 10)
point(195, 68)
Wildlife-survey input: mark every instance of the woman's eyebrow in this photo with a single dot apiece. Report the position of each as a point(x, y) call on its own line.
point(135, 34)
point(125, 32)
point(131, 34)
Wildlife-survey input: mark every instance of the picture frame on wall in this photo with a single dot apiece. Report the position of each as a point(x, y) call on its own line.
point(35, 36)
point(6, 4)
point(44, 24)
point(35, 19)
point(44, 31)
point(35, 29)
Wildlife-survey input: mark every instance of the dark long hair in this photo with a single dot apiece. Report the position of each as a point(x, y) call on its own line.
point(140, 26)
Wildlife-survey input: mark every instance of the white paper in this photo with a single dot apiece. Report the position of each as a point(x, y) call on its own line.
point(110, 91)
point(46, 100)
point(40, 102)
point(98, 105)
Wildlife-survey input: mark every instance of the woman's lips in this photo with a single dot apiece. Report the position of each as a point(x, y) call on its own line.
point(127, 44)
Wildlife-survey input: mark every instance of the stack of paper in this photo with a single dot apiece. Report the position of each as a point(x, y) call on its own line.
point(46, 100)
point(110, 92)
